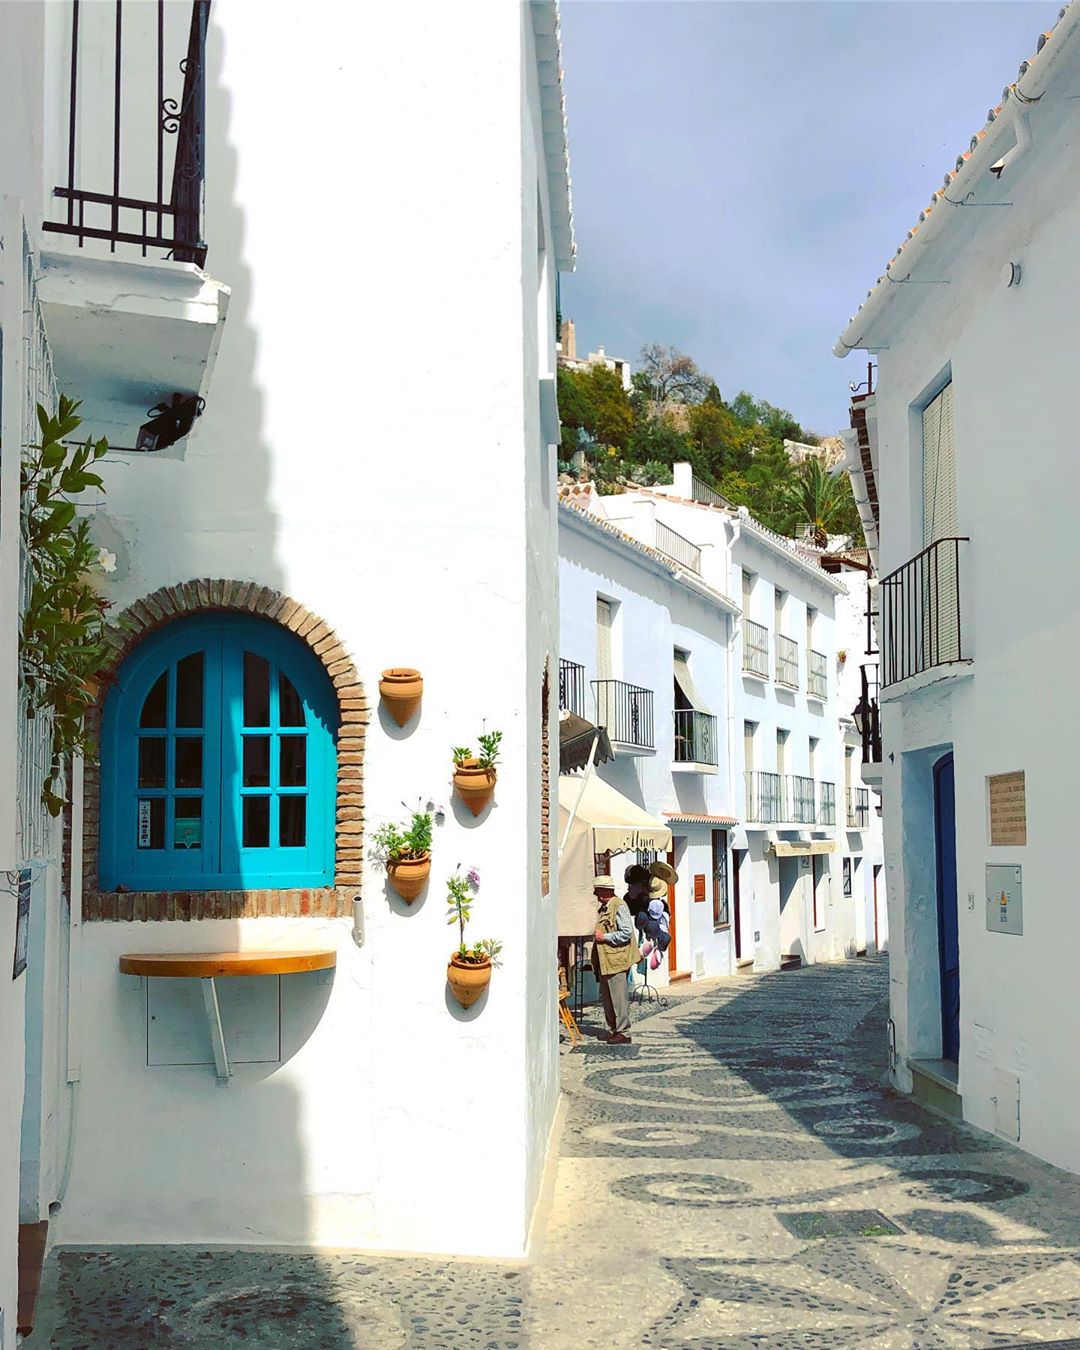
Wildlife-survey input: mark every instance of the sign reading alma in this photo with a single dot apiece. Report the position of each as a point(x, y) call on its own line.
point(1008, 809)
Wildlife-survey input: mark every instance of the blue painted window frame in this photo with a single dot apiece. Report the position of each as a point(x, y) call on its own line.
point(223, 862)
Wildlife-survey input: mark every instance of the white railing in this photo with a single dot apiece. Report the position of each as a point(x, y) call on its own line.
point(677, 547)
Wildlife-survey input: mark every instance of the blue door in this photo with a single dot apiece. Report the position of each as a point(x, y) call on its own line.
point(948, 926)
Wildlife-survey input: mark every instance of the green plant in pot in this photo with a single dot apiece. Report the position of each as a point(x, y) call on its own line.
point(405, 851)
point(469, 971)
point(474, 776)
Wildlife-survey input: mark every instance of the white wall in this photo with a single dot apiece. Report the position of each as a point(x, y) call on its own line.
point(411, 509)
point(1011, 358)
point(653, 615)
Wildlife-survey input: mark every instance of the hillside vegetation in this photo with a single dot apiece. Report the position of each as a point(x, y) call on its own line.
point(675, 412)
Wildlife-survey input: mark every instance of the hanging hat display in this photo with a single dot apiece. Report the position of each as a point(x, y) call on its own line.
point(664, 871)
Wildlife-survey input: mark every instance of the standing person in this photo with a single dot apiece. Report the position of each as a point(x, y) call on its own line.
point(615, 950)
point(637, 888)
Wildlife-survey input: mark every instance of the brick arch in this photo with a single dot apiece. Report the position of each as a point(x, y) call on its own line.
point(207, 596)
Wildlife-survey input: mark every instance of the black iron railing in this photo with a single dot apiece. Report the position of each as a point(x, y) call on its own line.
point(678, 548)
point(572, 687)
point(858, 808)
point(920, 613)
point(868, 716)
point(764, 797)
point(787, 661)
point(802, 797)
point(755, 648)
point(625, 711)
point(170, 218)
point(827, 805)
point(817, 677)
point(695, 737)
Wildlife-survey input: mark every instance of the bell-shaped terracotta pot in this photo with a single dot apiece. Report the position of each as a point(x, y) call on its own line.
point(408, 876)
point(474, 785)
point(401, 689)
point(467, 979)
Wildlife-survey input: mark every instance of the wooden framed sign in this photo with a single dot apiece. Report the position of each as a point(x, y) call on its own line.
point(1008, 809)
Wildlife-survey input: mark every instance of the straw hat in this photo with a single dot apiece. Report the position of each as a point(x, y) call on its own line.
point(664, 871)
point(658, 888)
point(603, 884)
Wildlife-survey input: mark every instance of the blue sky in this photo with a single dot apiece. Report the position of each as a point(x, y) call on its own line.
point(743, 169)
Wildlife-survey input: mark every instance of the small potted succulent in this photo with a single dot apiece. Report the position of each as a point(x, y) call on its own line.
point(841, 657)
point(469, 971)
point(405, 852)
point(474, 777)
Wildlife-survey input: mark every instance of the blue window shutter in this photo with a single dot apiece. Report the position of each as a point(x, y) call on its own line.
point(200, 821)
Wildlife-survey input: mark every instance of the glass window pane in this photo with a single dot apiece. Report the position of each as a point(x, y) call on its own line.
point(293, 766)
point(256, 691)
point(189, 691)
point(292, 822)
point(256, 822)
point(152, 762)
point(153, 710)
point(256, 761)
point(187, 823)
point(151, 822)
point(290, 710)
point(188, 771)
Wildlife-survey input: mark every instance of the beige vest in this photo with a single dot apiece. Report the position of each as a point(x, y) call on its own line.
point(613, 960)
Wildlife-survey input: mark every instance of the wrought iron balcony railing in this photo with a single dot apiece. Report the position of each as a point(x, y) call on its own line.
point(625, 711)
point(827, 804)
point(572, 687)
point(678, 548)
point(787, 661)
point(150, 190)
point(817, 677)
point(858, 808)
point(802, 799)
point(920, 613)
point(695, 737)
point(755, 648)
point(764, 797)
point(868, 716)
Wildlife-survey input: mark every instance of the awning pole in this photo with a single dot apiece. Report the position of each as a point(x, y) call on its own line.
point(584, 784)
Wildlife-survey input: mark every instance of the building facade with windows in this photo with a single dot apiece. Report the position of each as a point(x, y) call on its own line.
point(966, 443)
point(272, 557)
point(645, 654)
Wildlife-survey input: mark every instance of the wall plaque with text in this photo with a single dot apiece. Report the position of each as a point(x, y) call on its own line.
point(1008, 809)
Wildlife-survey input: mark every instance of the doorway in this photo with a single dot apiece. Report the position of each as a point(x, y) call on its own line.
point(792, 919)
point(737, 856)
point(877, 931)
point(948, 919)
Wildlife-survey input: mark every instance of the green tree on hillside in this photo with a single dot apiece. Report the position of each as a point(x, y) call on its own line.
point(821, 500)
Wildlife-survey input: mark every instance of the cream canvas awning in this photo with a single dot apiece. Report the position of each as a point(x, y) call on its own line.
point(605, 822)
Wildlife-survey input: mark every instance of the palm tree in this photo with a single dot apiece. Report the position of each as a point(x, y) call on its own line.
point(817, 498)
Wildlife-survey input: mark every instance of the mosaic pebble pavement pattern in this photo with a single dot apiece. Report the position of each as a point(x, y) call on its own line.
point(736, 1178)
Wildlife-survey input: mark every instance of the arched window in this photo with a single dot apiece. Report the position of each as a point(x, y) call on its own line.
point(218, 761)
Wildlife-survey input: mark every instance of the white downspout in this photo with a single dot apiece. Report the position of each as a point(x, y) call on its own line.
point(74, 974)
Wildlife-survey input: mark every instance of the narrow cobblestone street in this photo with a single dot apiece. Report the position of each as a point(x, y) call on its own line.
point(736, 1178)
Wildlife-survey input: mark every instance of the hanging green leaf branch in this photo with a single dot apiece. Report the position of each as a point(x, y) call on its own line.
point(62, 638)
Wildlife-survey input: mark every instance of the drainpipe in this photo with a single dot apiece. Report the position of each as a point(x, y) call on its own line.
point(74, 974)
point(731, 672)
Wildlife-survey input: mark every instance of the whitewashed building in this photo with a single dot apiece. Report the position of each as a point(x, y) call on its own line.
point(645, 648)
point(967, 445)
point(802, 856)
point(271, 562)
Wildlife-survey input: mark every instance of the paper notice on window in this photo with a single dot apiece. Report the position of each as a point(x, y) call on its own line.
point(144, 824)
point(1008, 809)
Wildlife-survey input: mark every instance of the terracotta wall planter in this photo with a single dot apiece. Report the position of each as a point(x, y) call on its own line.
point(474, 785)
point(401, 690)
point(409, 876)
point(468, 979)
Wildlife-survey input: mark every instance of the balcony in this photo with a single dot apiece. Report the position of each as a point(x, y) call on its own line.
point(867, 718)
point(920, 614)
point(755, 651)
point(787, 662)
point(625, 711)
point(827, 804)
point(858, 809)
point(802, 798)
point(764, 797)
point(679, 549)
point(695, 740)
point(572, 687)
point(133, 320)
point(817, 677)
